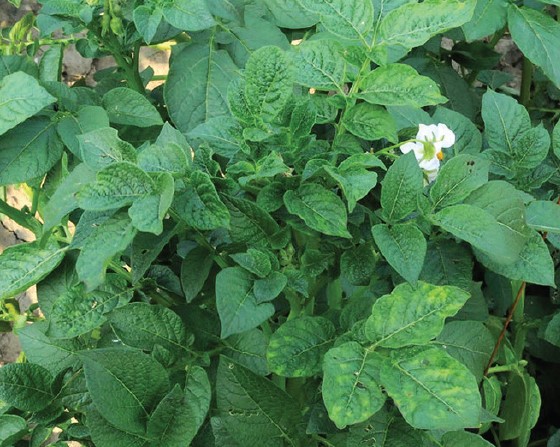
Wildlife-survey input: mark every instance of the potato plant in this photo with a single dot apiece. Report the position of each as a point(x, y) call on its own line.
point(324, 229)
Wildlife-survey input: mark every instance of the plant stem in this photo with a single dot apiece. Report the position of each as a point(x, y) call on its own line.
point(322, 440)
point(526, 81)
point(21, 218)
point(507, 368)
point(520, 294)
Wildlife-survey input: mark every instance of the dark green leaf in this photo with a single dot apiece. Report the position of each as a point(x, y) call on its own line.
point(29, 151)
point(404, 248)
point(128, 107)
point(26, 386)
point(143, 325)
point(458, 178)
point(236, 303)
point(125, 384)
point(297, 348)
point(401, 186)
point(321, 209)
point(26, 264)
point(252, 408)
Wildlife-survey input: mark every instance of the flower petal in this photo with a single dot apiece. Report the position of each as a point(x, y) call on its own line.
point(429, 165)
point(427, 132)
point(418, 149)
point(445, 135)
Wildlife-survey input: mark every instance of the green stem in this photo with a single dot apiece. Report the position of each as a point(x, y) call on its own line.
point(295, 305)
point(118, 269)
point(507, 368)
point(322, 440)
point(540, 442)
point(526, 81)
point(35, 201)
point(21, 218)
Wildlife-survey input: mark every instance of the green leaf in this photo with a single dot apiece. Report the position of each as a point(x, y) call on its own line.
point(147, 19)
point(21, 97)
point(75, 312)
point(470, 342)
point(552, 331)
point(350, 391)
point(401, 186)
point(268, 288)
point(124, 384)
point(370, 122)
point(556, 140)
point(104, 434)
point(531, 148)
point(413, 378)
point(353, 177)
point(255, 261)
point(521, 407)
point(54, 355)
point(269, 79)
point(147, 213)
point(12, 429)
point(249, 222)
point(412, 316)
point(489, 16)
point(248, 349)
point(464, 439)
point(357, 265)
point(321, 209)
point(350, 19)
point(188, 15)
point(117, 185)
point(458, 178)
point(24, 265)
point(413, 24)
point(223, 133)
point(448, 263)
point(480, 229)
point(142, 326)
point(252, 408)
point(504, 119)
point(180, 414)
point(237, 306)
point(63, 200)
point(168, 157)
point(195, 269)
point(29, 151)
point(297, 347)
point(107, 239)
point(128, 107)
point(404, 248)
point(102, 147)
point(467, 137)
point(26, 386)
point(290, 14)
point(319, 64)
point(543, 215)
point(200, 206)
point(534, 265)
point(197, 82)
point(399, 85)
point(536, 34)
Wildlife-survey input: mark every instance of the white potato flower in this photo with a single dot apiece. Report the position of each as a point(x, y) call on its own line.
point(429, 142)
